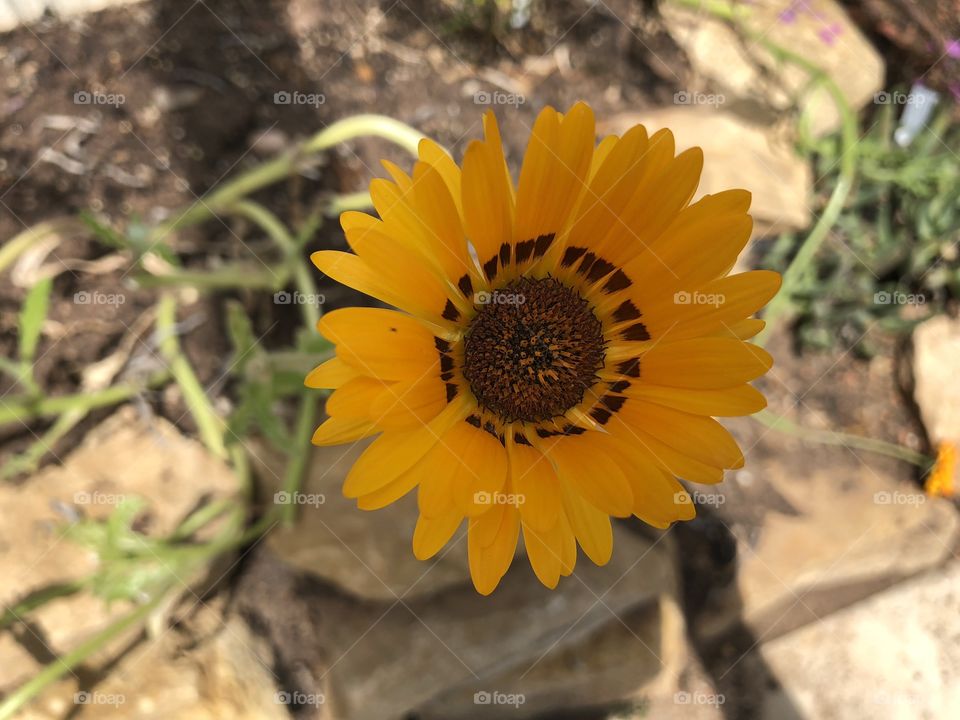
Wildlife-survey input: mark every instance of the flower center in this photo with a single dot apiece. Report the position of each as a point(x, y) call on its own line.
point(532, 350)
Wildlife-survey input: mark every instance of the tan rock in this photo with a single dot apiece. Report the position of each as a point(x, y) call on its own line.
point(810, 541)
point(895, 656)
point(936, 347)
point(124, 456)
point(744, 71)
point(177, 675)
point(737, 154)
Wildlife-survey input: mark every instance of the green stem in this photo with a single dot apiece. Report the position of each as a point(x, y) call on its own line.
point(828, 437)
point(25, 409)
point(227, 277)
point(278, 232)
point(341, 131)
point(209, 424)
point(29, 460)
point(297, 464)
point(348, 201)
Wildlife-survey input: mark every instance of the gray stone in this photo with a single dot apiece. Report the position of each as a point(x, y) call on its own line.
point(367, 553)
point(936, 347)
point(895, 655)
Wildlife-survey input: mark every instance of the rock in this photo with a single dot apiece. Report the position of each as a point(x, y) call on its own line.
point(936, 347)
point(628, 660)
point(368, 554)
point(737, 154)
point(895, 655)
point(382, 660)
point(811, 541)
point(125, 456)
point(744, 72)
point(225, 674)
point(24, 12)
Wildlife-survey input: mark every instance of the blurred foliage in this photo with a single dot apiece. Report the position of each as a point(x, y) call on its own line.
point(892, 257)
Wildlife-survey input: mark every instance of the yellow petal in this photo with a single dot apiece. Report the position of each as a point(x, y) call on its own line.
point(432, 533)
point(590, 526)
point(704, 363)
point(581, 464)
point(331, 374)
point(381, 343)
point(544, 549)
point(489, 561)
point(533, 477)
point(395, 452)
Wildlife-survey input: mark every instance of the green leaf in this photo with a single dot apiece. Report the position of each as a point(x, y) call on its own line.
point(242, 337)
point(32, 315)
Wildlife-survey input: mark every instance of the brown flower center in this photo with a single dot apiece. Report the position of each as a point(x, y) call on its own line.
point(532, 350)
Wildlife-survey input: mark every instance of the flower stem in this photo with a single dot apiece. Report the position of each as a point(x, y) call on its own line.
point(829, 437)
point(341, 131)
point(209, 424)
point(25, 409)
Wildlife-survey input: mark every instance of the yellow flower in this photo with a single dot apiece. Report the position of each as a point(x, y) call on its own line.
point(559, 347)
point(940, 482)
